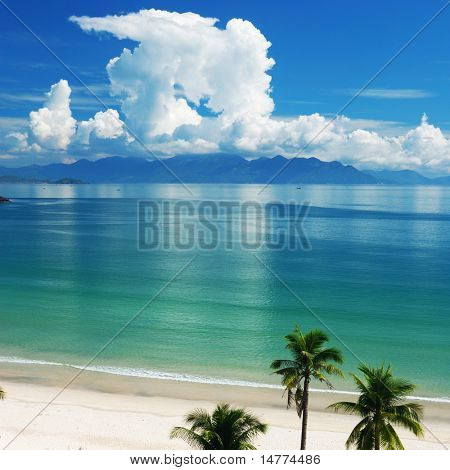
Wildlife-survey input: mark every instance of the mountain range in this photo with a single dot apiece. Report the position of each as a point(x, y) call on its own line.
point(213, 168)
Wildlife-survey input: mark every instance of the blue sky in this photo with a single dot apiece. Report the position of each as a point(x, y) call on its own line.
point(323, 51)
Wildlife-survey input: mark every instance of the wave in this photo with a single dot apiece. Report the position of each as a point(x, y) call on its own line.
point(161, 375)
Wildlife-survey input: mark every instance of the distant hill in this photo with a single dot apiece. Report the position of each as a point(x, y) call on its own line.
point(401, 177)
point(16, 179)
point(19, 179)
point(443, 180)
point(212, 168)
point(67, 181)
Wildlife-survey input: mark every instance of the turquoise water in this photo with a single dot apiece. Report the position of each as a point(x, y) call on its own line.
point(378, 276)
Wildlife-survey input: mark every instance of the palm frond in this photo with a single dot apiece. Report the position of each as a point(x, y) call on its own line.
point(247, 446)
point(389, 438)
point(284, 364)
point(291, 380)
point(407, 422)
point(251, 432)
point(289, 372)
point(191, 437)
point(350, 407)
point(331, 369)
point(400, 388)
point(329, 355)
point(199, 419)
point(362, 387)
point(322, 378)
point(409, 410)
point(315, 339)
point(362, 436)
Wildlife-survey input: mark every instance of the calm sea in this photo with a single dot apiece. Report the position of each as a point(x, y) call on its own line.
point(377, 277)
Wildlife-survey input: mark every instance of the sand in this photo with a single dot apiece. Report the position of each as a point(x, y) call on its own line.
point(103, 411)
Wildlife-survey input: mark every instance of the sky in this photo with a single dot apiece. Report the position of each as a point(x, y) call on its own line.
point(255, 78)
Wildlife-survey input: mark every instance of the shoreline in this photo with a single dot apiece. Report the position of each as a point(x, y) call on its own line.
point(138, 372)
point(105, 411)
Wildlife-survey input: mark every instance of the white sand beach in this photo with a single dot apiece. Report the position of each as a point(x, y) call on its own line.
point(103, 411)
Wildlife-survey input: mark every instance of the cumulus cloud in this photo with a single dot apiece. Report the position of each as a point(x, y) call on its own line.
point(53, 128)
point(105, 125)
point(53, 125)
point(184, 63)
point(428, 145)
point(19, 143)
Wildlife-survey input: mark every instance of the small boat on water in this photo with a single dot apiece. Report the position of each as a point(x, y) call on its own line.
point(299, 187)
point(4, 199)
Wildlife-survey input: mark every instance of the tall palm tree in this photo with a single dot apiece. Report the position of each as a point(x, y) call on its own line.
point(380, 405)
point(226, 428)
point(310, 360)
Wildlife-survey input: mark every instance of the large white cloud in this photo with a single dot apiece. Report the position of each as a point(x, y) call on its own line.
point(53, 125)
point(182, 62)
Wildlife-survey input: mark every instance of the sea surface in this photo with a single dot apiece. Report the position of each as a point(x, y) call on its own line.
point(376, 278)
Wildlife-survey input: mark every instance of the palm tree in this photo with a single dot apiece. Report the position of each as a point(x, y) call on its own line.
point(2, 393)
point(311, 360)
point(380, 405)
point(226, 428)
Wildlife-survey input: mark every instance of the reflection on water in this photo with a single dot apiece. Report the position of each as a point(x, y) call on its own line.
point(419, 199)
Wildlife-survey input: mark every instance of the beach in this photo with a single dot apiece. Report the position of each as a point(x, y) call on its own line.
point(105, 411)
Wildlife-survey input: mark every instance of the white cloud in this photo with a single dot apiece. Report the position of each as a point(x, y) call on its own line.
point(184, 61)
point(105, 125)
point(392, 93)
point(424, 147)
point(19, 143)
point(53, 125)
point(428, 145)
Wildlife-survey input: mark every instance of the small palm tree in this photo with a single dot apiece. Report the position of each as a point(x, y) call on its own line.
point(380, 405)
point(226, 428)
point(311, 360)
point(2, 393)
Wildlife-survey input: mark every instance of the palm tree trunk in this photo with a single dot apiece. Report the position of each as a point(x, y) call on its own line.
point(305, 414)
point(377, 430)
point(377, 437)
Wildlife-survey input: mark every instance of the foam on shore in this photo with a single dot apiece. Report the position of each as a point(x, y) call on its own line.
point(161, 375)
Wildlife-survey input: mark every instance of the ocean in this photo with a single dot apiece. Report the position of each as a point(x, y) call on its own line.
point(375, 277)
